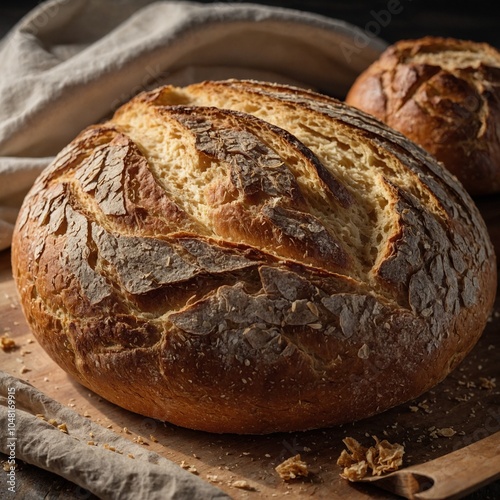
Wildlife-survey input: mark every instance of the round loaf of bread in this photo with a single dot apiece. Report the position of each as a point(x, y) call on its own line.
point(444, 94)
point(245, 257)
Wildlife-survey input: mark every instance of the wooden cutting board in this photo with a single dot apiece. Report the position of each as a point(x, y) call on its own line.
point(468, 402)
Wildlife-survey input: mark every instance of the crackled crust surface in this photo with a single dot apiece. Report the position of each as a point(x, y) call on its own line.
point(444, 94)
point(245, 257)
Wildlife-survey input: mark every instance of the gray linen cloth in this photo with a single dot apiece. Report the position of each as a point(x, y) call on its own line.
point(71, 63)
point(96, 459)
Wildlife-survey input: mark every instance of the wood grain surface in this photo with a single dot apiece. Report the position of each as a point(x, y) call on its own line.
point(477, 20)
point(463, 402)
point(468, 402)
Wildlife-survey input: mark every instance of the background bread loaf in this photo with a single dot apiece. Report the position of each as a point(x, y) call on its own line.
point(245, 257)
point(444, 94)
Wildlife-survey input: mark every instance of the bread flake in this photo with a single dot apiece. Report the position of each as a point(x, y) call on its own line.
point(380, 459)
point(292, 468)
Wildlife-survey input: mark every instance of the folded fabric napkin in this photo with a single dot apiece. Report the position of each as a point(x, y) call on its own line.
point(71, 63)
point(42, 432)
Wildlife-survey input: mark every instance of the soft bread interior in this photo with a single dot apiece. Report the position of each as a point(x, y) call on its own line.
point(362, 228)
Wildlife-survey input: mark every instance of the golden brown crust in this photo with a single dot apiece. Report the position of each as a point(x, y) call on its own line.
point(444, 94)
point(246, 257)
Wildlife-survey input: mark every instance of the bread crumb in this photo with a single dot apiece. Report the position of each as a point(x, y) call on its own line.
point(357, 460)
point(152, 438)
point(364, 352)
point(7, 344)
point(24, 369)
point(91, 443)
point(355, 471)
point(242, 485)
point(7, 467)
point(292, 468)
point(487, 383)
point(130, 456)
point(446, 432)
point(107, 446)
point(189, 468)
point(63, 428)
point(424, 406)
point(140, 440)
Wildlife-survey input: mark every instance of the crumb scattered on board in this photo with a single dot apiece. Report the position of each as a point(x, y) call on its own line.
point(358, 461)
point(443, 432)
point(189, 468)
point(7, 344)
point(487, 383)
point(52, 421)
point(242, 485)
point(292, 468)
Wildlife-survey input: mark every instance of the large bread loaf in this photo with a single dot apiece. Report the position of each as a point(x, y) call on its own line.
point(244, 257)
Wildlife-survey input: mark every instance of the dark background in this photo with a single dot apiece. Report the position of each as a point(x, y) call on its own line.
point(479, 20)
